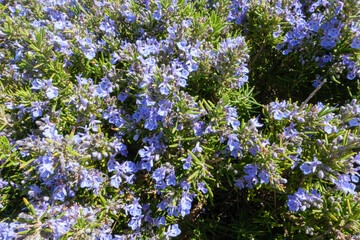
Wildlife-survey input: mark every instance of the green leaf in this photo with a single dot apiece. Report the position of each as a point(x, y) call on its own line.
point(30, 207)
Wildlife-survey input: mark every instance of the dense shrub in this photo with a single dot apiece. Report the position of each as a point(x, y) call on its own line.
point(192, 119)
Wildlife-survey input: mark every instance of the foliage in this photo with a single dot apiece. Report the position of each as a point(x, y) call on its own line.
point(191, 119)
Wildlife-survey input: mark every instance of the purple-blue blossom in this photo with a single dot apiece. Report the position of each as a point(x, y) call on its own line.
point(354, 122)
point(250, 178)
point(46, 167)
point(310, 167)
point(201, 187)
point(344, 183)
point(188, 162)
point(172, 231)
point(356, 42)
point(302, 200)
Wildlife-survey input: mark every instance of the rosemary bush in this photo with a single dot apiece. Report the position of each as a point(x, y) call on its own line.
point(127, 119)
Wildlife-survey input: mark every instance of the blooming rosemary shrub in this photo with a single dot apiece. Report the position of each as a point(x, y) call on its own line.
point(133, 119)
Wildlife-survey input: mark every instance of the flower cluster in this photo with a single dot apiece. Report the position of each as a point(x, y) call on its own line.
point(301, 200)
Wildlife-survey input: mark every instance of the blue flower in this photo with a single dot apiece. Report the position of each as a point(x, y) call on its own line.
point(172, 231)
point(116, 180)
point(104, 88)
point(46, 167)
point(159, 174)
point(165, 87)
point(151, 122)
point(51, 92)
point(135, 222)
point(239, 183)
point(254, 123)
point(38, 84)
point(134, 208)
point(234, 145)
point(351, 75)
point(344, 183)
point(198, 128)
point(157, 15)
point(279, 110)
point(317, 81)
point(187, 163)
point(201, 187)
point(185, 185)
point(310, 167)
point(83, 103)
point(122, 96)
point(163, 205)
point(231, 117)
point(197, 148)
point(293, 203)
point(4, 183)
point(128, 167)
point(186, 23)
point(277, 33)
point(264, 176)
point(144, 49)
point(233, 142)
point(108, 25)
point(36, 109)
point(328, 41)
point(185, 204)
point(159, 221)
point(354, 122)
point(290, 132)
point(60, 193)
point(171, 178)
point(356, 42)
point(183, 45)
point(173, 211)
point(251, 178)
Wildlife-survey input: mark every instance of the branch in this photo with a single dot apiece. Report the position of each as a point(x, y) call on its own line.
point(311, 95)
